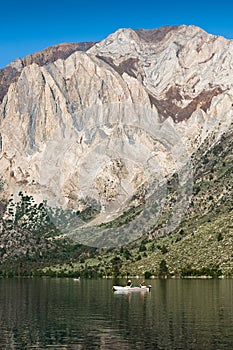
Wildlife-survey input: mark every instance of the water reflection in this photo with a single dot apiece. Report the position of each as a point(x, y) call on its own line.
point(62, 314)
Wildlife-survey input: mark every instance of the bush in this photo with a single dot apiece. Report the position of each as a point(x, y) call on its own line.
point(163, 269)
point(219, 237)
point(164, 249)
point(142, 248)
point(147, 274)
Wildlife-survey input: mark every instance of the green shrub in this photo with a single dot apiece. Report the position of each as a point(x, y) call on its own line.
point(147, 274)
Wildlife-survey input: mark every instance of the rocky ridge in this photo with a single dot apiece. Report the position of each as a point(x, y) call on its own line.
point(11, 72)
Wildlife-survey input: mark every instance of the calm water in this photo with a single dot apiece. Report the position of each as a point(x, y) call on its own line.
point(64, 314)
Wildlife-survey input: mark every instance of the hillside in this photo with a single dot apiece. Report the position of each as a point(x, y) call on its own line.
point(200, 246)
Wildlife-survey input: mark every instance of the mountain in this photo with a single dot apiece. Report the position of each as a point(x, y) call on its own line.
point(106, 135)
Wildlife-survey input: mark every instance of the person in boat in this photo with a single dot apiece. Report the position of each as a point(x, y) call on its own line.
point(143, 284)
point(129, 284)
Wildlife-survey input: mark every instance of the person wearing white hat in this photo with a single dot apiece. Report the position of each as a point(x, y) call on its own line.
point(129, 283)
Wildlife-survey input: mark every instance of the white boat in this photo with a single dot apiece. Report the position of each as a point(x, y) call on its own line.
point(131, 289)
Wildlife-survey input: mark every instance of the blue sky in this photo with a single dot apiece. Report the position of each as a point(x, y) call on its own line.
point(28, 26)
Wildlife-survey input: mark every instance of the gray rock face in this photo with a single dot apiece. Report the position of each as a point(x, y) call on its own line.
point(107, 123)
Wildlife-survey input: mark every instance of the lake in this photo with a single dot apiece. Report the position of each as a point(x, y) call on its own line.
point(65, 314)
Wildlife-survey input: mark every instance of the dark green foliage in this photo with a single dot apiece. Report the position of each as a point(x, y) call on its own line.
point(163, 249)
point(147, 274)
point(142, 248)
point(205, 271)
point(163, 269)
point(126, 254)
point(152, 247)
point(205, 160)
point(219, 237)
point(116, 266)
point(196, 189)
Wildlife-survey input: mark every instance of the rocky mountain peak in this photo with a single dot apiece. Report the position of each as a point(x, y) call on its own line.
point(156, 35)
